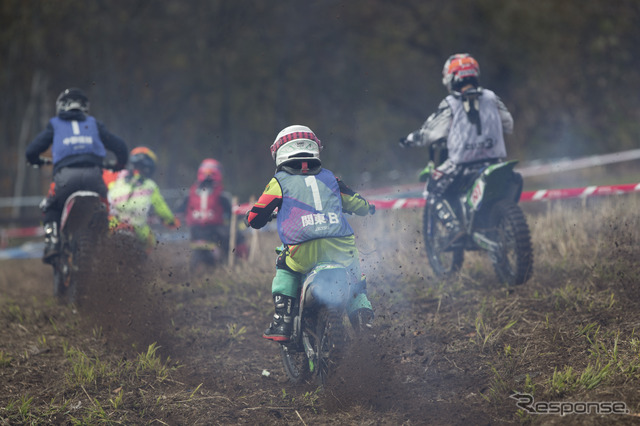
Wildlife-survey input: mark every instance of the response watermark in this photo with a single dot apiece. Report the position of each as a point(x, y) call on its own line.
point(528, 404)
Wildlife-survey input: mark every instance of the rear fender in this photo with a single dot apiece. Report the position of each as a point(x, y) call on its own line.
point(203, 245)
point(498, 181)
point(326, 285)
point(80, 208)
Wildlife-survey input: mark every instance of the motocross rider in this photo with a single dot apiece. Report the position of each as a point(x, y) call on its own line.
point(311, 224)
point(472, 120)
point(208, 209)
point(133, 194)
point(78, 145)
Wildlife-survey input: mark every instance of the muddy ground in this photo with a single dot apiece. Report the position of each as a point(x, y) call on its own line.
point(440, 352)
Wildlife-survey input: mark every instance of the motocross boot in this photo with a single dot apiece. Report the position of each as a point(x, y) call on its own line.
point(282, 326)
point(51, 242)
point(447, 216)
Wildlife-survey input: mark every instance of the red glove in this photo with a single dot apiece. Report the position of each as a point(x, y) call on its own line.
point(174, 224)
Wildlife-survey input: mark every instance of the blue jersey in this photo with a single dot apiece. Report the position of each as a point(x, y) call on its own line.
point(75, 138)
point(311, 208)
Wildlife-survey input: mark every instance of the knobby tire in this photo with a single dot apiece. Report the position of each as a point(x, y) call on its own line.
point(514, 265)
point(443, 263)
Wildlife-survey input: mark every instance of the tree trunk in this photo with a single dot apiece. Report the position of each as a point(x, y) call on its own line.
point(37, 85)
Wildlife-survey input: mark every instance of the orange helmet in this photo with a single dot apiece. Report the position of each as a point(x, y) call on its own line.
point(459, 70)
point(143, 160)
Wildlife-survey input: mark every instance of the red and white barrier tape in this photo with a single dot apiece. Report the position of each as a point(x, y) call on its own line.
point(8, 233)
point(404, 203)
point(589, 191)
point(542, 194)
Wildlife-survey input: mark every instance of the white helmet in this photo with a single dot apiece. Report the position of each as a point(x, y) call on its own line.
point(295, 142)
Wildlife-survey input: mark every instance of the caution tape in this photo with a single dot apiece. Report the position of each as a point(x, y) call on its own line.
point(9, 233)
point(589, 191)
point(403, 203)
point(527, 196)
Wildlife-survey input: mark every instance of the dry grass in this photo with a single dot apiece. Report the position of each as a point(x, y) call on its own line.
point(444, 352)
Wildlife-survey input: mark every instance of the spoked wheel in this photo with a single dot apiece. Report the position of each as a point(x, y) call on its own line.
point(329, 344)
point(445, 261)
point(514, 262)
point(296, 364)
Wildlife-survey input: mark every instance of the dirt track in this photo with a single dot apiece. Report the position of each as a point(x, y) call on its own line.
point(429, 360)
point(382, 384)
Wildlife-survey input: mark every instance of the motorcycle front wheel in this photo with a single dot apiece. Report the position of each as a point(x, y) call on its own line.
point(444, 260)
point(296, 364)
point(201, 259)
point(514, 262)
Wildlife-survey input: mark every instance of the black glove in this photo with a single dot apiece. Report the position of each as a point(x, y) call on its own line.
point(372, 208)
point(403, 142)
point(37, 163)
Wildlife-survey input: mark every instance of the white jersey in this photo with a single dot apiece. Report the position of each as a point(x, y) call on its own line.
point(464, 143)
point(468, 141)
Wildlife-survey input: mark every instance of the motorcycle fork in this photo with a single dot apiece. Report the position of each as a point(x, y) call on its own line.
point(301, 339)
point(458, 213)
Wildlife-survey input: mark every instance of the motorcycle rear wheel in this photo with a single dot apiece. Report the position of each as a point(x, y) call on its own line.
point(79, 263)
point(59, 279)
point(329, 344)
point(514, 264)
point(445, 262)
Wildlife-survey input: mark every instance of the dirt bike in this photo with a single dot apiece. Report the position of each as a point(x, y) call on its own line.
point(208, 253)
point(83, 225)
point(488, 217)
point(319, 335)
point(204, 254)
point(126, 241)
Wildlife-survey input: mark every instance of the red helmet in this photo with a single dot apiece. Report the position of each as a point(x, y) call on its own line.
point(459, 70)
point(210, 168)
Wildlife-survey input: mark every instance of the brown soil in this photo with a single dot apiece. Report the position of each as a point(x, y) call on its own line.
point(428, 360)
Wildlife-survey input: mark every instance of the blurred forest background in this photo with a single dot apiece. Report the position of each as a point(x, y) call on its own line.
point(219, 78)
